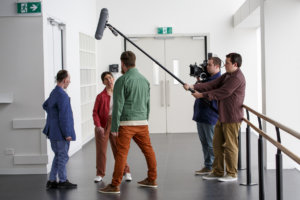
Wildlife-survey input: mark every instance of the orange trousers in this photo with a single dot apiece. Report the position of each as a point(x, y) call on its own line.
point(140, 134)
point(101, 148)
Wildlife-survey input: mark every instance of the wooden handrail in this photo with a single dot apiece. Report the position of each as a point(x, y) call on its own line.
point(280, 126)
point(275, 143)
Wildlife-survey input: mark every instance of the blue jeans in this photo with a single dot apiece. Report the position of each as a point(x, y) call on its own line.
point(206, 134)
point(61, 157)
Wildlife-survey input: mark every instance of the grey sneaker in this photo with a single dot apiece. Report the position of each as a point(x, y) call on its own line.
point(211, 176)
point(227, 178)
point(203, 171)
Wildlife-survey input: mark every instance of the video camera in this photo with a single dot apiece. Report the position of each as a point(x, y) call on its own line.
point(201, 70)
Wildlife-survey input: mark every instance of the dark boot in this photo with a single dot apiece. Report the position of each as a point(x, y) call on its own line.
point(51, 185)
point(66, 185)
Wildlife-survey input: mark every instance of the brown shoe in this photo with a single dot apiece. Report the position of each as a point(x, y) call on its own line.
point(147, 183)
point(110, 189)
point(203, 171)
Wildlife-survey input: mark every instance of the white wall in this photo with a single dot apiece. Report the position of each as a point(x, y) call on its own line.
point(109, 51)
point(190, 16)
point(79, 16)
point(23, 57)
point(21, 73)
point(282, 73)
point(280, 39)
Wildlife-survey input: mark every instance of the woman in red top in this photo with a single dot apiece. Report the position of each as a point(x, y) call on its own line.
point(102, 119)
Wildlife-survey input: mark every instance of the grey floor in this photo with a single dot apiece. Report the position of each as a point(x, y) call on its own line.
point(178, 156)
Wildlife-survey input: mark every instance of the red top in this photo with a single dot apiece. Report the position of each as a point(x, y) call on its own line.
point(101, 109)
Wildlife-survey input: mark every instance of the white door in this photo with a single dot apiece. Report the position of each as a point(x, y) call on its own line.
point(171, 107)
point(180, 53)
point(156, 77)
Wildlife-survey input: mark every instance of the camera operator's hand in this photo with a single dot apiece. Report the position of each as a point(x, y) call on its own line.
point(187, 86)
point(197, 95)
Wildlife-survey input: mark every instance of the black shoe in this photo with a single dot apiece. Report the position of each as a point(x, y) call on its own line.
point(51, 185)
point(66, 185)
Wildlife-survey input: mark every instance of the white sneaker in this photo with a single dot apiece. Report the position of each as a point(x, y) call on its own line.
point(97, 179)
point(128, 177)
point(227, 178)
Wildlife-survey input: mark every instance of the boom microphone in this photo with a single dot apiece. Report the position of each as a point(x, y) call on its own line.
point(102, 23)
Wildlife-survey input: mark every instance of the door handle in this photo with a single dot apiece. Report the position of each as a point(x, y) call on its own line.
point(162, 94)
point(168, 93)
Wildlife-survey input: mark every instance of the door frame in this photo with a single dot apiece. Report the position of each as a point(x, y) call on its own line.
point(156, 36)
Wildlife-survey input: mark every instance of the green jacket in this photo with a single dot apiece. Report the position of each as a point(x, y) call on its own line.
point(131, 99)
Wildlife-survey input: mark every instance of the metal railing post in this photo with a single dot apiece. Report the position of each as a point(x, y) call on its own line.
point(279, 193)
point(261, 183)
point(248, 154)
point(240, 152)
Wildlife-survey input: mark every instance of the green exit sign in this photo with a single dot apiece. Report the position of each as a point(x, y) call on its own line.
point(29, 7)
point(164, 30)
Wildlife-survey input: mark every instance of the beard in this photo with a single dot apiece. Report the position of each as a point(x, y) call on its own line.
point(122, 71)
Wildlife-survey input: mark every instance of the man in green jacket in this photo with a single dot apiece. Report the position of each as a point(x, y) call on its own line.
point(131, 106)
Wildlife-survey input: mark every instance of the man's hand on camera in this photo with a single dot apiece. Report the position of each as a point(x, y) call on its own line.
point(197, 95)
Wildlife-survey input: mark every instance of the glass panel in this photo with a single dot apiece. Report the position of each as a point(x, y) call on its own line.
point(155, 74)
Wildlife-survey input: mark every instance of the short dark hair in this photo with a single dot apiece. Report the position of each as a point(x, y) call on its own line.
point(104, 74)
point(216, 60)
point(61, 75)
point(128, 58)
point(235, 58)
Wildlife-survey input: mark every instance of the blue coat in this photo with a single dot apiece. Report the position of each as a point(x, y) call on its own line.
point(60, 123)
point(202, 112)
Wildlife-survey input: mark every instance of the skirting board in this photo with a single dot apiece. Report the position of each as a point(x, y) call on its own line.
point(14, 171)
point(37, 123)
point(30, 159)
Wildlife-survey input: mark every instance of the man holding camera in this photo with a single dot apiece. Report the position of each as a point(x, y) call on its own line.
point(229, 91)
point(206, 117)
